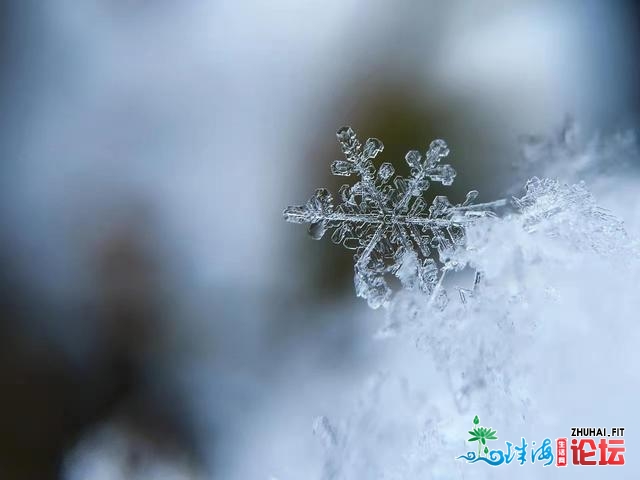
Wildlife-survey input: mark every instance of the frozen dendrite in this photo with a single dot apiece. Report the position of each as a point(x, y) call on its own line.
point(387, 220)
point(560, 277)
point(556, 252)
point(570, 213)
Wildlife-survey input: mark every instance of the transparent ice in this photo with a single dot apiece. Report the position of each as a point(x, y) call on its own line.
point(546, 340)
point(387, 220)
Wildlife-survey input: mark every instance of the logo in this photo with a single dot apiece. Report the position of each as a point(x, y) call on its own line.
point(588, 447)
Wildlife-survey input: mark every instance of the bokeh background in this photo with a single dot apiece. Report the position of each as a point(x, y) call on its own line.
point(159, 319)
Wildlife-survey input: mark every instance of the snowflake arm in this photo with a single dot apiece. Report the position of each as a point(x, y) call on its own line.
point(391, 227)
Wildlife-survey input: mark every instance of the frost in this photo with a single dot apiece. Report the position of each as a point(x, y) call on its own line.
point(389, 224)
point(558, 295)
point(571, 212)
point(493, 353)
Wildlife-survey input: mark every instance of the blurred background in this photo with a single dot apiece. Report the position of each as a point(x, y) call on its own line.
point(159, 319)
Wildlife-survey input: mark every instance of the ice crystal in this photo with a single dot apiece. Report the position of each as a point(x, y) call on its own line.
point(389, 223)
point(559, 273)
point(570, 212)
point(559, 282)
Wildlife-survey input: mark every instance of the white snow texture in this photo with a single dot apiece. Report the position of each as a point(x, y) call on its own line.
point(545, 341)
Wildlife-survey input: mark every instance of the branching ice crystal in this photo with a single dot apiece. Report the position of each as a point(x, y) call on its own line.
point(570, 212)
point(388, 223)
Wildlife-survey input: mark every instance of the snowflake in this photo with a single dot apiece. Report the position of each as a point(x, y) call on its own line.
point(570, 212)
point(388, 223)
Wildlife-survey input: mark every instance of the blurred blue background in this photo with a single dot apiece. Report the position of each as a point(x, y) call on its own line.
point(159, 318)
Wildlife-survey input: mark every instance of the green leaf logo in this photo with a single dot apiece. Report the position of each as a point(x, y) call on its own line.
point(481, 435)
